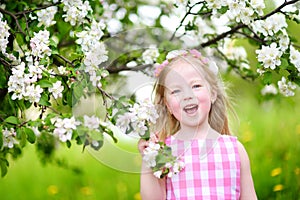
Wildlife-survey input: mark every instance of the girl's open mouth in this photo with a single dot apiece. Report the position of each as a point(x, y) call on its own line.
point(190, 109)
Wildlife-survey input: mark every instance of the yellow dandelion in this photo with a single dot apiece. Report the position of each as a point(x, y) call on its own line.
point(277, 188)
point(86, 191)
point(297, 171)
point(137, 196)
point(276, 171)
point(52, 189)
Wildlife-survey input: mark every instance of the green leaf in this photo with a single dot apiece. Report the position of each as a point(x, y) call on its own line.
point(96, 135)
point(223, 10)
point(21, 136)
point(3, 164)
point(30, 135)
point(68, 143)
point(12, 120)
point(267, 78)
point(77, 90)
point(45, 84)
point(44, 101)
point(284, 63)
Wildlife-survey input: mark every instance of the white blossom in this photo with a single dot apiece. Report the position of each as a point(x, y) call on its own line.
point(92, 122)
point(33, 93)
point(56, 89)
point(40, 44)
point(64, 128)
point(284, 41)
point(35, 69)
point(4, 34)
point(295, 57)
point(150, 55)
point(76, 11)
point(258, 6)
point(150, 154)
point(269, 89)
point(271, 25)
point(158, 173)
point(269, 56)
point(124, 120)
point(286, 88)
point(9, 138)
point(46, 16)
point(62, 70)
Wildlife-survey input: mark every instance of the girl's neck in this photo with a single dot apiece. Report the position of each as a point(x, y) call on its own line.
point(190, 133)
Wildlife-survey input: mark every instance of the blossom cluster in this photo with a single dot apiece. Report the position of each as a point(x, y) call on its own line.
point(150, 55)
point(40, 44)
point(23, 81)
point(138, 118)
point(242, 11)
point(76, 11)
point(22, 85)
point(159, 158)
point(4, 34)
point(286, 87)
point(89, 129)
point(9, 138)
point(64, 128)
point(94, 50)
point(46, 16)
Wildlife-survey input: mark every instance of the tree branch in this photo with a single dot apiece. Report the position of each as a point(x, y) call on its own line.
point(15, 18)
point(65, 59)
point(36, 9)
point(4, 62)
point(112, 69)
point(239, 26)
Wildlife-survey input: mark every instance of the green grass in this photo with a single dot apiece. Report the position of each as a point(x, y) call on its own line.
point(270, 132)
point(29, 179)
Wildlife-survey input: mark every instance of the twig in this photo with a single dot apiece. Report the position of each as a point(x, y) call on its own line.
point(15, 18)
point(234, 67)
point(65, 59)
point(36, 9)
point(4, 62)
point(105, 95)
point(257, 39)
point(184, 17)
point(278, 9)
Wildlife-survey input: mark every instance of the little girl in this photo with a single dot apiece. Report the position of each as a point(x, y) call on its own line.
point(193, 121)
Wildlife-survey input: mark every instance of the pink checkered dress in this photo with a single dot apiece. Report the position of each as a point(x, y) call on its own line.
point(212, 169)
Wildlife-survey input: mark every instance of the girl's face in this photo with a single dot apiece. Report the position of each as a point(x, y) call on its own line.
point(187, 95)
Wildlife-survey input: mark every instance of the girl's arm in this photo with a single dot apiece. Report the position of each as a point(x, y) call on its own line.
point(247, 186)
point(151, 188)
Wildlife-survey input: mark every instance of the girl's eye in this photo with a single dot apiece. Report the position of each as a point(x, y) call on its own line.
point(175, 91)
point(196, 86)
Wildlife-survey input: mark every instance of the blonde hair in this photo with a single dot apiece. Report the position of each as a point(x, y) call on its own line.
point(167, 124)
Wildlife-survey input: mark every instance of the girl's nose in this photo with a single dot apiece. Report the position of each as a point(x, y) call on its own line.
point(188, 94)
